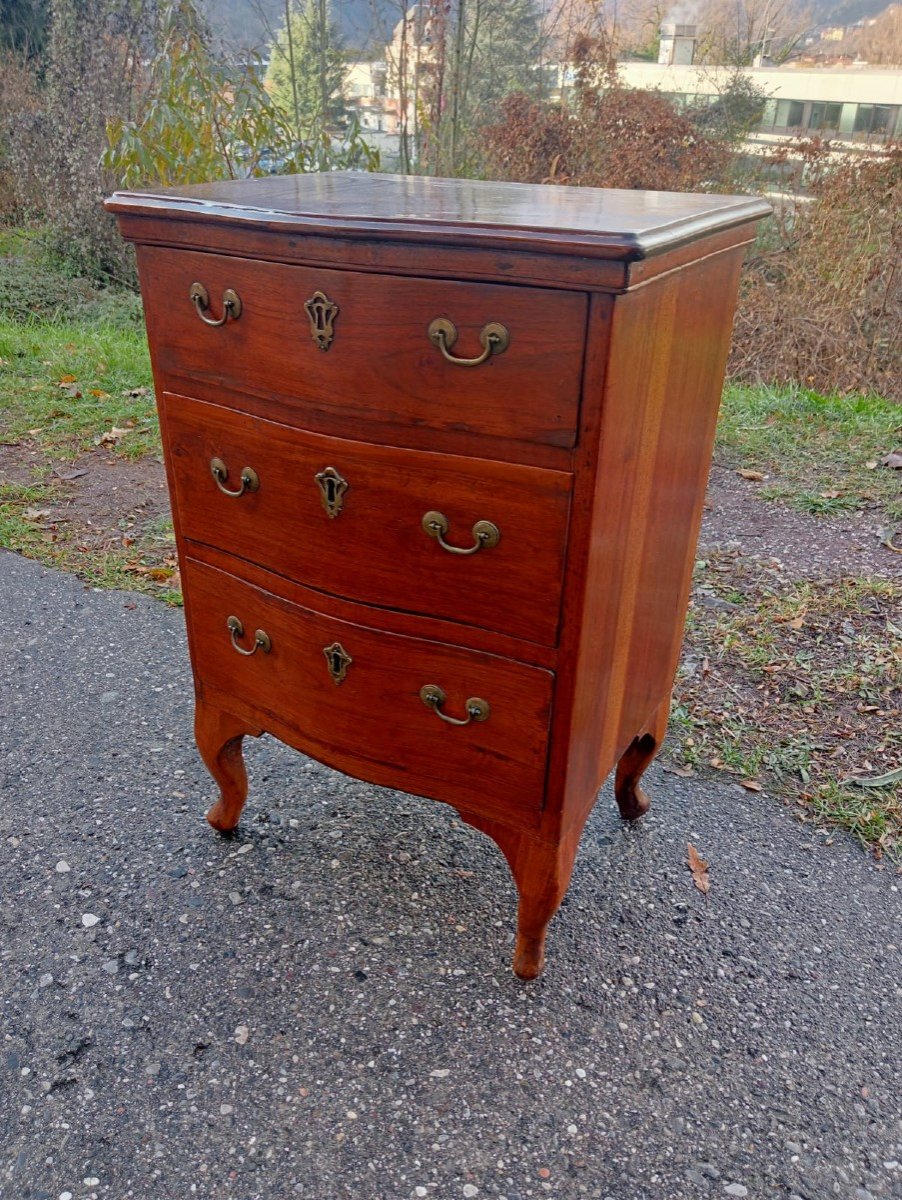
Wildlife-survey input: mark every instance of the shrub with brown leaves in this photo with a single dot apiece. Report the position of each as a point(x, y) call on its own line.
point(606, 135)
point(821, 298)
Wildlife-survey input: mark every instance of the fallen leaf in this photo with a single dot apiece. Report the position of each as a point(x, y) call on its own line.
point(112, 436)
point(69, 474)
point(684, 772)
point(66, 379)
point(242, 1033)
point(135, 392)
point(699, 868)
point(754, 476)
point(878, 781)
point(893, 459)
point(157, 574)
point(797, 623)
point(750, 785)
point(36, 514)
point(871, 464)
point(101, 395)
point(832, 495)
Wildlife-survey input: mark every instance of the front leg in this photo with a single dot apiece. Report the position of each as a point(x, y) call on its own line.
point(541, 871)
point(219, 735)
point(632, 801)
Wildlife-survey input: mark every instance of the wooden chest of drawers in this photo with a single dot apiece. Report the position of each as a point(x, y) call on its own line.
point(437, 454)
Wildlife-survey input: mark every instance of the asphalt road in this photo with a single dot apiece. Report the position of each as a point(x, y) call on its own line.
point(322, 1006)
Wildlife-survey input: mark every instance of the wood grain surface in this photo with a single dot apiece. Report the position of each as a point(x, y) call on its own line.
point(587, 442)
point(376, 550)
point(381, 362)
point(374, 723)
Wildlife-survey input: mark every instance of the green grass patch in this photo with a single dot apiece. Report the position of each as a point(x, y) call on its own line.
point(65, 384)
point(821, 453)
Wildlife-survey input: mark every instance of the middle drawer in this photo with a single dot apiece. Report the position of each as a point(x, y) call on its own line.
point(469, 540)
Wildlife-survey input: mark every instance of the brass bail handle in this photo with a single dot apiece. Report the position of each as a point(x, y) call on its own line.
point(262, 640)
point(250, 480)
point(494, 339)
point(485, 534)
point(231, 304)
point(433, 697)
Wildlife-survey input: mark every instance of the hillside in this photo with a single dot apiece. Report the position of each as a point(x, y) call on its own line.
point(367, 24)
point(251, 24)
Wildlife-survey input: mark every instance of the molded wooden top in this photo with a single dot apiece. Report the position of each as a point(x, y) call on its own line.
point(590, 222)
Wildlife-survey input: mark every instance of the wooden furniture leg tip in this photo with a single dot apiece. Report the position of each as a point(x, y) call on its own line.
point(529, 957)
point(221, 818)
point(633, 802)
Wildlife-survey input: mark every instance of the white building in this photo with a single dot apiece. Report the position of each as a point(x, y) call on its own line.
point(853, 103)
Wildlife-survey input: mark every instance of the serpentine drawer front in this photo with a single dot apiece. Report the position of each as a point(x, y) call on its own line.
point(360, 521)
point(354, 693)
point(363, 345)
point(437, 453)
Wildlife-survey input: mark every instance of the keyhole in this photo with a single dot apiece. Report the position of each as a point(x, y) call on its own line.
point(330, 491)
point(336, 663)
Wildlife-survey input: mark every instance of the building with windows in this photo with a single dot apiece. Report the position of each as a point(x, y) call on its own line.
point(855, 104)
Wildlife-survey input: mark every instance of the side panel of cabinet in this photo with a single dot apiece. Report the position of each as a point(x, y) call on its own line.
point(658, 401)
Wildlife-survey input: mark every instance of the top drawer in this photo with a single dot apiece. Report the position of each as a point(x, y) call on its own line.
point(380, 364)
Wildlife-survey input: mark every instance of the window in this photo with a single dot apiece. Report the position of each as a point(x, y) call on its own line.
point(873, 118)
point(881, 122)
point(824, 116)
point(789, 114)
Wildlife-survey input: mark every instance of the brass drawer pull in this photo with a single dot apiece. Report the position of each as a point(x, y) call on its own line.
point(262, 639)
point(433, 697)
point(494, 339)
point(231, 304)
point(250, 480)
point(485, 533)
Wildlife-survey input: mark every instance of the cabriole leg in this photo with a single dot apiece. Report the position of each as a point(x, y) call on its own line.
point(219, 735)
point(632, 801)
point(542, 874)
point(541, 871)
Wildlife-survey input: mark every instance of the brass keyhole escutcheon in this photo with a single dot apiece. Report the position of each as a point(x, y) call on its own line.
point(321, 312)
point(338, 660)
point(332, 487)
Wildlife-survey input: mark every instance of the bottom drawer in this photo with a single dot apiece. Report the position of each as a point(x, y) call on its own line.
point(354, 695)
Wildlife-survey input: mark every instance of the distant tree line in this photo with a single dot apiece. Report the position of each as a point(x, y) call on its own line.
point(99, 93)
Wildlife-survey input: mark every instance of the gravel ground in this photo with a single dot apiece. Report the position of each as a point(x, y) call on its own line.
point(808, 546)
point(322, 1005)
